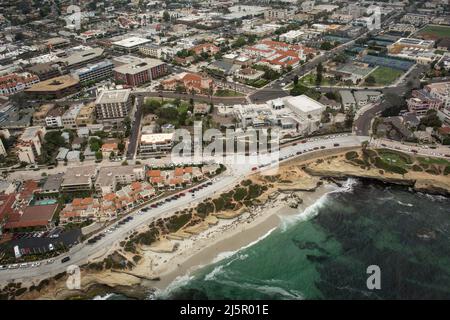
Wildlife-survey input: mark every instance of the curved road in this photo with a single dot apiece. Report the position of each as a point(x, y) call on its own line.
point(83, 252)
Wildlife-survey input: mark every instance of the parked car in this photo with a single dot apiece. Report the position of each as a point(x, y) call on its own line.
point(65, 259)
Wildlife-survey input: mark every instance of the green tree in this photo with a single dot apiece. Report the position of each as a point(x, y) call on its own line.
point(166, 16)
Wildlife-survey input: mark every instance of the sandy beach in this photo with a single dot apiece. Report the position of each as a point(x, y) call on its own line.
point(226, 237)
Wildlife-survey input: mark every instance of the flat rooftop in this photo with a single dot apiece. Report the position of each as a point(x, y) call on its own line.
point(79, 175)
point(138, 67)
point(113, 96)
point(54, 84)
point(131, 42)
point(106, 174)
point(156, 138)
point(304, 103)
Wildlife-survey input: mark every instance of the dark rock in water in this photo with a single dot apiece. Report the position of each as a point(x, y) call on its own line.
point(308, 246)
point(314, 258)
point(189, 294)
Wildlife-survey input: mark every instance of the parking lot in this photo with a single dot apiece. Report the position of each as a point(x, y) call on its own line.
point(39, 242)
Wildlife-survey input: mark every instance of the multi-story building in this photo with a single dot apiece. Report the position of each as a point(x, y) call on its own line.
point(135, 74)
point(13, 83)
point(53, 118)
point(29, 145)
point(79, 178)
point(113, 105)
point(55, 88)
point(155, 143)
point(41, 113)
point(207, 48)
point(46, 70)
point(440, 91)
point(86, 115)
point(69, 118)
point(81, 58)
point(109, 177)
point(421, 101)
point(94, 72)
point(2, 148)
point(151, 50)
point(403, 43)
point(190, 82)
point(279, 14)
point(131, 44)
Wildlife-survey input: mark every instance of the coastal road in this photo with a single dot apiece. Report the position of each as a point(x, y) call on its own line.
point(83, 253)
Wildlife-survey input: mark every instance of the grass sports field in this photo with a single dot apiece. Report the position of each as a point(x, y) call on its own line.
point(385, 76)
point(433, 32)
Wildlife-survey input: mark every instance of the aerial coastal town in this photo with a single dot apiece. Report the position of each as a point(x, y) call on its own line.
point(96, 96)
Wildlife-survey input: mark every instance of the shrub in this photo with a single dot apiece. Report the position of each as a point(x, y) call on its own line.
point(417, 168)
point(351, 155)
point(239, 194)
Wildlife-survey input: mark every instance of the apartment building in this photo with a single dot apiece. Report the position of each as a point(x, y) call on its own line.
point(151, 50)
point(279, 14)
point(13, 83)
point(79, 178)
point(94, 72)
point(29, 146)
point(155, 143)
point(53, 119)
point(110, 177)
point(86, 115)
point(69, 118)
point(113, 105)
point(140, 72)
point(440, 91)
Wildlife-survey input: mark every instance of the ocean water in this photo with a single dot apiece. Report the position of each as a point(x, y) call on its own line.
point(324, 251)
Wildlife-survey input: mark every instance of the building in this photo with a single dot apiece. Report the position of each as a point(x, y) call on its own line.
point(130, 44)
point(279, 14)
point(56, 87)
point(190, 82)
point(81, 209)
point(155, 143)
point(79, 178)
point(2, 148)
point(45, 71)
point(51, 186)
point(69, 118)
point(13, 83)
point(402, 43)
point(277, 54)
point(53, 119)
point(348, 100)
point(440, 91)
point(145, 70)
point(86, 115)
point(41, 113)
point(80, 59)
point(108, 148)
point(421, 101)
point(292, 36)
point(29, 146)
point(113, 105)
point(304, 106)
point(39, 216)
point(94, 72)
point(151, 50)
point(110, 177)
point(208, 48)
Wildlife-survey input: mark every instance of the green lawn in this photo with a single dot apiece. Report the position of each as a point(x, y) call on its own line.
point(435, 32)
point(394, 158)
point(228, 93)
point(310, 80)
point(385, 76)
point(438, 161)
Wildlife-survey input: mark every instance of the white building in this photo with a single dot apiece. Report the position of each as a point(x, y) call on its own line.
point(156, 143)
point(130, 44)
point(304, 106)
point(30, 144)
point(70, 116)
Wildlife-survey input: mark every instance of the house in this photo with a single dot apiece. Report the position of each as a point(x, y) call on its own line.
point(108, 148)
point(208, 48)
point(190, 82)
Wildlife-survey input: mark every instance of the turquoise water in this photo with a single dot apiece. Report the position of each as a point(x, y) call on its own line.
point(326, 257)
point(46, 202)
